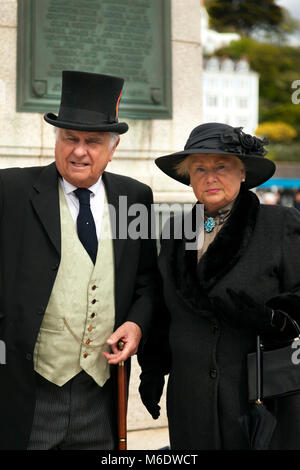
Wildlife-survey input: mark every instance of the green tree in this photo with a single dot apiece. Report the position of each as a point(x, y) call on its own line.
point(277, 63)
point(278, 67)
point(245, 16)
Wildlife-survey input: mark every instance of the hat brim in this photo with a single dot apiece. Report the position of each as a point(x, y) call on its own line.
point(118, 127)
point(258, 168)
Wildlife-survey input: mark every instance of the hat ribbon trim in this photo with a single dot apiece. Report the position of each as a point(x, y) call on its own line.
point(198, 139)
point(84, 116)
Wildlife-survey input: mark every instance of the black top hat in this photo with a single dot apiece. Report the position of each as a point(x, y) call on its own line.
point(222, 139)
point(89, 102)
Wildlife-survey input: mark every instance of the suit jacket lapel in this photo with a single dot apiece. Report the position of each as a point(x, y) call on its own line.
point(45, 202)
point(113, 191)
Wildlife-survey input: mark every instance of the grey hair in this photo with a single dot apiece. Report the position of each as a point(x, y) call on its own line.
point(114, 136)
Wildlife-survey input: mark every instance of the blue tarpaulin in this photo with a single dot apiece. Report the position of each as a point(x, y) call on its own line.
point(287, 183)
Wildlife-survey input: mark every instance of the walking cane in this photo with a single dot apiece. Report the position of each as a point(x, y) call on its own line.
point(122, 401)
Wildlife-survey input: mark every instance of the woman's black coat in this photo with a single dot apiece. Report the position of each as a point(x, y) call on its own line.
point(256, 251)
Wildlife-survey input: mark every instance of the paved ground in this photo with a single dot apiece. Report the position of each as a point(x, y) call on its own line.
point(142, 429)
point(143, 432)
point(148, 439)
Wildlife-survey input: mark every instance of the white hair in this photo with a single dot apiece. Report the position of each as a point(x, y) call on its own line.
point(114, 136)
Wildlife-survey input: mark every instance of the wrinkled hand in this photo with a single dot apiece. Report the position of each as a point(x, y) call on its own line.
point(247, 313)
point(151, 389)
point(130, 333)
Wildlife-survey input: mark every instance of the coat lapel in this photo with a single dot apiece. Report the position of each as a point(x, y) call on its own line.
point(45, 202)
point(192, 280)
point(113, 191)
point(231, 242)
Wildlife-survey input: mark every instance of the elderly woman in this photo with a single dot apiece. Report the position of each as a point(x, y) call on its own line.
point(219, 296)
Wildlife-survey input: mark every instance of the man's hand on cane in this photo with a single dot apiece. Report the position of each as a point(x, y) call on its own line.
point(130, 333)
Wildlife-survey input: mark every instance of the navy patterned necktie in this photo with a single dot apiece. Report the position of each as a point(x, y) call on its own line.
point(86, 227)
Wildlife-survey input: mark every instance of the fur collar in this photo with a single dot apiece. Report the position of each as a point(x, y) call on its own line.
point(192, 279)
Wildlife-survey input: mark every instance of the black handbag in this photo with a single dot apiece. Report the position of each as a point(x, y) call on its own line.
point(274, 372)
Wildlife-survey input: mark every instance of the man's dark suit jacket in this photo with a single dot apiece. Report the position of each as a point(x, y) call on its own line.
point(29, 260)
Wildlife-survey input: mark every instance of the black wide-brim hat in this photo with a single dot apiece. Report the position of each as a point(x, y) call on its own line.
point(89, 102)
point(222, 139)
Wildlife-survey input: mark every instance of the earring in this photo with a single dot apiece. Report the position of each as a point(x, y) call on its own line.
point(243, 180)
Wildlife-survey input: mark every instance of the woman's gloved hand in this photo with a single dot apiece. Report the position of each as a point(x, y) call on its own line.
point(151, 388)
point(246, 313)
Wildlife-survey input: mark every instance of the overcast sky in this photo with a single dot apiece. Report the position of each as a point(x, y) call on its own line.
point(293, 6)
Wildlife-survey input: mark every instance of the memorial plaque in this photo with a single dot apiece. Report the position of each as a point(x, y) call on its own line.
point(126, 38)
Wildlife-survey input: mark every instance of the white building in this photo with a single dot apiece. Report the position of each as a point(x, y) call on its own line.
point(230, 93)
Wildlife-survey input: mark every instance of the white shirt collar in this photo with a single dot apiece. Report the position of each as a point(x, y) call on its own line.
point(69, 188)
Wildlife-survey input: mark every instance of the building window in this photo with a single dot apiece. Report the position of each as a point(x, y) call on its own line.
point(242, 102)
point(242, 66)
point(227, 101)
point(227, 65)
point(212, 64)
point(212, 100)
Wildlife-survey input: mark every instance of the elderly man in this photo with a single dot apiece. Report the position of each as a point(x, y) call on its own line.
point(70, 287)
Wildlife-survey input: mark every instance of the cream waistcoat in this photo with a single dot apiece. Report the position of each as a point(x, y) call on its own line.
point(80, 315)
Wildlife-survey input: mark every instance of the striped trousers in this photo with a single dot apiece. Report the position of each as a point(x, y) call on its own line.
point(78, 415)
